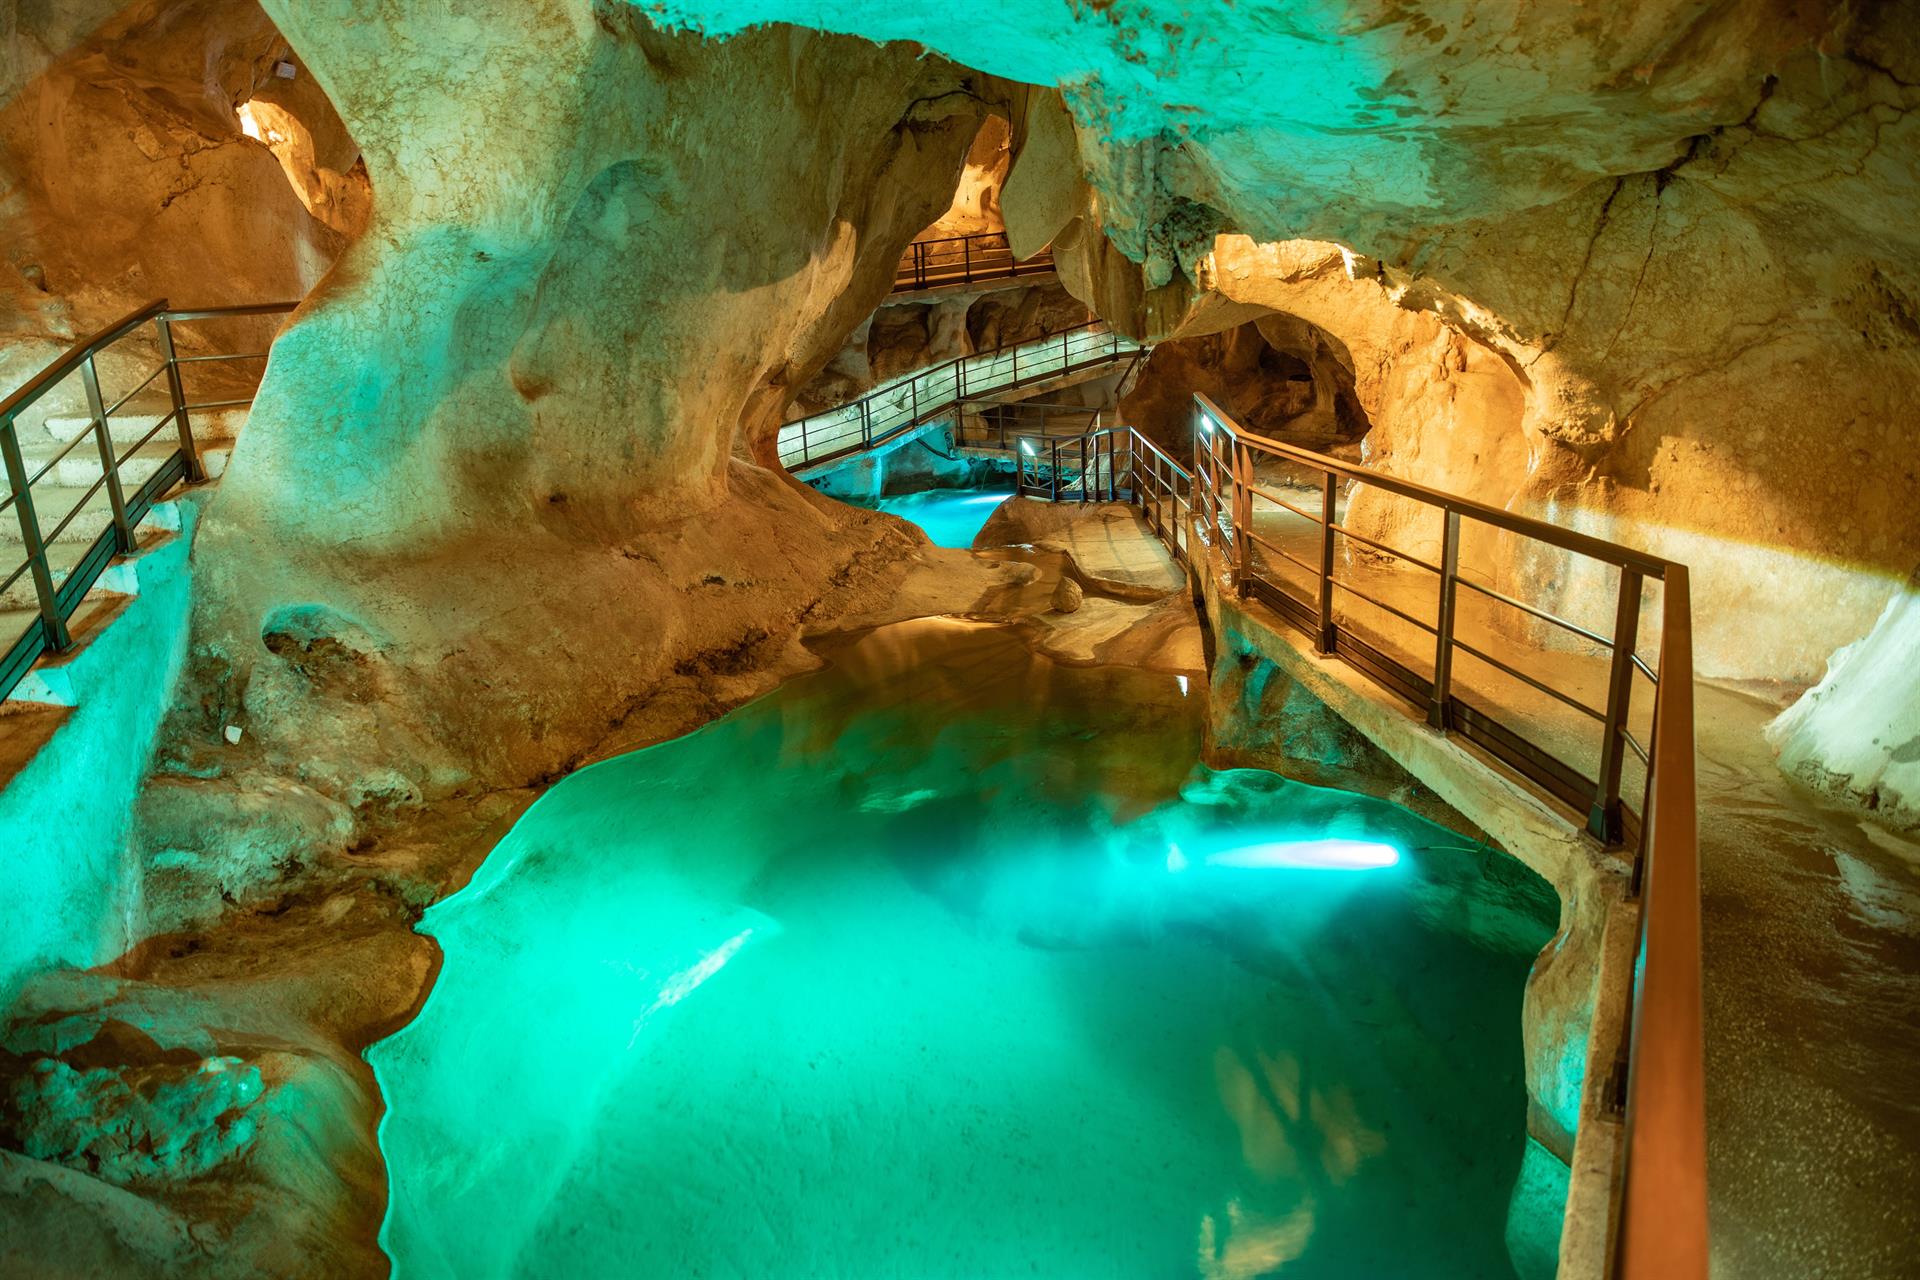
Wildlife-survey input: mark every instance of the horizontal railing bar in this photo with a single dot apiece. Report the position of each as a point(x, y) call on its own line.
point(40, 383)
point(141, 443)
point(86, 571)
point(1524, 678)
point(1382, 547)
point(1382, 604)
point(1162, 454)
point(238, 355)
point(1645, 670)
point(54, 535)
point(13, 578)
point(215, 313)
point(1634, 743)
point(1258, 492)
point(219, 404)
point(144, 384)
point(59, 457)
point(1540, 530)
point(1259, 541)
point(1541, 614)
point(965, 235)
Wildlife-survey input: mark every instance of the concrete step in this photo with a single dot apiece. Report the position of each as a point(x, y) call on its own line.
point(51, 503)
point(81, 467)
point(136, 420)
point(119, 577)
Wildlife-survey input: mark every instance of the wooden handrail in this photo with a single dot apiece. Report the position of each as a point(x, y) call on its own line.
point(1661, 1192)
point(1663, 1209)
point(74, 356)
point(1566, 539)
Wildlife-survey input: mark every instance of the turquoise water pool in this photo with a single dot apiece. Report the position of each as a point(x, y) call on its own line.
point(951, 517)
point(948, 961)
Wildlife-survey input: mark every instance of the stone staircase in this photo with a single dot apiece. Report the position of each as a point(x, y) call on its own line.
point(66, 485)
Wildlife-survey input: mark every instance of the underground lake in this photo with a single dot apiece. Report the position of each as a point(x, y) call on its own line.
point(950, 517)
point(948, 960)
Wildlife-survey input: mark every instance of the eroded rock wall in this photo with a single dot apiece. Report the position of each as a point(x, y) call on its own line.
point(129, 176)
point(1689, 232)
point(489, 497)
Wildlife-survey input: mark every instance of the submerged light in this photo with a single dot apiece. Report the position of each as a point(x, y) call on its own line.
point(1026, 447)
point(1331, 854)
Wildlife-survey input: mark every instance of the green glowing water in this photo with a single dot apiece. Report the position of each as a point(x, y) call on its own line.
point(895, 973)
point(951, 517)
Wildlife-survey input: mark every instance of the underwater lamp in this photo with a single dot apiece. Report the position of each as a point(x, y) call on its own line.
point(1327, 854)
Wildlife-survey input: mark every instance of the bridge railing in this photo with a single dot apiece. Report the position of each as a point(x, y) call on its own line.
point(926, 394)
point(35, 621)
point(1280, 552)
point(984, 255)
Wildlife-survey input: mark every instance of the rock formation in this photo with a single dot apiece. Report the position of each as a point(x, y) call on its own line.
point(1688, 235)
point(130, 175)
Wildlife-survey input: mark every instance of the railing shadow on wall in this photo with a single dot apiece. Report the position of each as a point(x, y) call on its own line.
point(968, 259)
point(37, 623)
point(922, 396)
point(1660, 1228)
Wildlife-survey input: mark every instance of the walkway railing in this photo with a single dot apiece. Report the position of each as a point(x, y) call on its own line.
point(984, 255)
point(57, 590)
point(927, 394)
point(1661, 1225)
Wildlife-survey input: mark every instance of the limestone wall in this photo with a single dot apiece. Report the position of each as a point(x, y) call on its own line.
point(492, 471)
point(1688, 233)
point(129, 176)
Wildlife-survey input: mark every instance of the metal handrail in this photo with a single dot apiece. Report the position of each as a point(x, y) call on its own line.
point(982, 255)
point(1660, 1196)
point(925, 394)
point(56, 602)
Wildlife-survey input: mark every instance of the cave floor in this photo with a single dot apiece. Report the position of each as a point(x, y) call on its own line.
point(1811, 918)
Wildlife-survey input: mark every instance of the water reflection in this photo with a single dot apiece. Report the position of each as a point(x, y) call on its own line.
point(888, 975)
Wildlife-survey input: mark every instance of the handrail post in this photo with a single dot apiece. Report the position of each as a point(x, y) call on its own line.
point(1604, 822)
point(1324, 642)
point(866, 424)
point(1243, 516)
point(164, 326)
point(1443, 621)
point(1662, 1227)
point(966, 258)
point(52, 625)
point(913, 390)
point(109, 464)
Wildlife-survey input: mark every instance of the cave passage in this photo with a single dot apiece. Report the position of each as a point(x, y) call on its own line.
point(951, 961)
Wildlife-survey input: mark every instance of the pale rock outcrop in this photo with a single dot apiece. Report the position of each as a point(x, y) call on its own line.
point(494, 462)
point(1280, 377)
point(1857, 732)
point(976, 201)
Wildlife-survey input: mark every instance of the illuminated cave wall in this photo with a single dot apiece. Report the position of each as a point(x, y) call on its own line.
point(492, 494)
point(129, 175)
point(1689, 236)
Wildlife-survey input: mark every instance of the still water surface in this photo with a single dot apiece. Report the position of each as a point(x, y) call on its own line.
point(949, 961)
